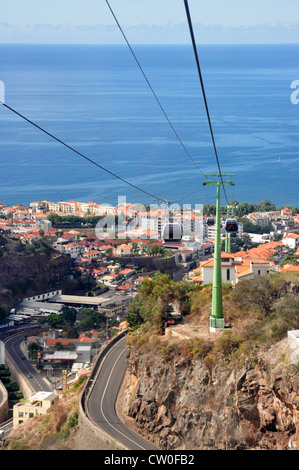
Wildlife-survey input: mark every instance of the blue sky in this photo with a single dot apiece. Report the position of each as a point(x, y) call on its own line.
point(149, 21)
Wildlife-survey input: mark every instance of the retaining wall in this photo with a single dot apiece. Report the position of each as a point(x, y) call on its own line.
point(4, 403)
point(90, 436)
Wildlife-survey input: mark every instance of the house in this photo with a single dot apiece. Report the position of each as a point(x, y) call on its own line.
point(286, 211)
point(109, 280)
point(126, 287)
point(124, 249)
point(259, 218)
point(38, 404)
point(254, 267)
point(93, 254)
point(139, 280)
point(228, 271)
point(72, 249)
point(126, 272)
point(292, 240)
point(287, 268)
point(238, 266)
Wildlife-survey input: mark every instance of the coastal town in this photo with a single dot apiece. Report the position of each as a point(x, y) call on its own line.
point(112, 250)
point(90, 247)
point(119, 260)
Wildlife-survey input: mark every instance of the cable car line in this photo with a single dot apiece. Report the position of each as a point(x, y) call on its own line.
point(80, 154)
point(203, 90)
point(151, 88)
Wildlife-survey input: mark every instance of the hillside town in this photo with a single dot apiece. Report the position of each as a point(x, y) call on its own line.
point(113, 258)
point(115, 249)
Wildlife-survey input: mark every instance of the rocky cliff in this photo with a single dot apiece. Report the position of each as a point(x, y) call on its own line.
point(23, 274)
point(182, 403)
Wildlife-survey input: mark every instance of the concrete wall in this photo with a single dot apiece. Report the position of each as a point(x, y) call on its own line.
point(17, 375)
point(4, 403)
point(90, 436)
point(293, 346)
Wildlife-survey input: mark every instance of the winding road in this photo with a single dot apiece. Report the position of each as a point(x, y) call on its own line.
point(101, 403)
point(34, 378)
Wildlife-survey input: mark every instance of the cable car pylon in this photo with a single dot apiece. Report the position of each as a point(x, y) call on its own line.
point(216, 317)
point(230, 213)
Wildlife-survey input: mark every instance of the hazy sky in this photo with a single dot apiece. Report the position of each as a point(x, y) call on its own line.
point(149, 21)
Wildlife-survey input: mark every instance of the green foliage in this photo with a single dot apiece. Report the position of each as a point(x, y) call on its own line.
point(153, 298)
point(4, 312)
point(167, 350)
point(199, 347)
point(261, 292)
point(33, 349)
point(72, 220)
point(71, 423)
point(69, 314)
point(54, 320)
point(79, 382)
point(93, 319)
point(159, 250)
point(227, 344)
point(291, 259)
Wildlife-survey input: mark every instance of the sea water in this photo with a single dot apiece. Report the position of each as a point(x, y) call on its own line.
point(96, 99)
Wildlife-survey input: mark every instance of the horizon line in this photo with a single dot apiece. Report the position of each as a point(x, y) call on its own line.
point(147, 44)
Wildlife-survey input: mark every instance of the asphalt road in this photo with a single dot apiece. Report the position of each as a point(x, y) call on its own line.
point(13, 347)
point(101, 403)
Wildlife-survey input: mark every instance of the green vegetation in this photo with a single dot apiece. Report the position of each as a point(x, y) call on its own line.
point(245, 208)
point(14, 393)
point(291, 259)
point(89, 318)
point(73, 221)
point(153, 298)
point(159, 250)
point(260, 312)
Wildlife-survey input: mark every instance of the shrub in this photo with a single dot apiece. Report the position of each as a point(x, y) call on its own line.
point(209, 361)
point(227, 343)
point(71, 423)
point(167, 350)
point(199, 347)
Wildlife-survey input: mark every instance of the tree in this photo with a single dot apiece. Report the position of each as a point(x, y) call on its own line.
point(261, 293)
point(69, 314)
point(33, 349)
point(265, 206)
point(4, 310)
point(54, 320)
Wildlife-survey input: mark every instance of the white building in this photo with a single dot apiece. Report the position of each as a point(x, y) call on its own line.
point(236, 268)
point(292, 240)
point(38, 404)
point(72, 249)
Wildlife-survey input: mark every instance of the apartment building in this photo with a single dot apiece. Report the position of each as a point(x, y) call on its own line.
point(38, 404)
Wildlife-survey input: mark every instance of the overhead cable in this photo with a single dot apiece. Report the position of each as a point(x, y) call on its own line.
point(81, 154)
point(151, 88)
point(203, 90)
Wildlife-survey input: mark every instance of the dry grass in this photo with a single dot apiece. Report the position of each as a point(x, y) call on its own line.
point(50, 431)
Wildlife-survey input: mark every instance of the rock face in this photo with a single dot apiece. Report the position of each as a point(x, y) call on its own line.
point(23, 275)
point(184, 405)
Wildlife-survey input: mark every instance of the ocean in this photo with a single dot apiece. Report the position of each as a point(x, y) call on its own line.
point(95, 99)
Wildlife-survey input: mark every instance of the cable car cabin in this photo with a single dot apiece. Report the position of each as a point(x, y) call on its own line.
point(172, 232)
point(210, 221)
point(231, 225)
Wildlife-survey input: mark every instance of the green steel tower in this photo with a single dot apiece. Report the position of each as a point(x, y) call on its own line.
point(227, 243)
point(216, 317)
